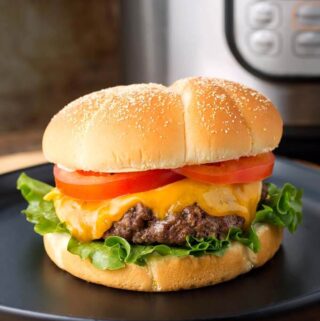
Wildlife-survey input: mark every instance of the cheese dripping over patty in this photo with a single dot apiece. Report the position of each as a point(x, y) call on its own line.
point(88, 221)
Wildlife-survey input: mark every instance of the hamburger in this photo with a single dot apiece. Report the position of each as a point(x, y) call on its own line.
point(162, 188)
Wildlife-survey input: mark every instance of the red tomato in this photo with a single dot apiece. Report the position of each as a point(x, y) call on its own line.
point(243, 170)
point(93, 186)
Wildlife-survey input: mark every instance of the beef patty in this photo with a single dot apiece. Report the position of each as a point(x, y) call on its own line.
point(140, 226)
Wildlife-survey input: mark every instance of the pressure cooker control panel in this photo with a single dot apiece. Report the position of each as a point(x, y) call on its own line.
point(278, 37)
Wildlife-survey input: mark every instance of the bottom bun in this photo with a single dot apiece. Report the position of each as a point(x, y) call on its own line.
point(169, 273)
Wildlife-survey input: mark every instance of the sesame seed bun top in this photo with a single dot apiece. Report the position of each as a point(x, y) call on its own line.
point(148, 126)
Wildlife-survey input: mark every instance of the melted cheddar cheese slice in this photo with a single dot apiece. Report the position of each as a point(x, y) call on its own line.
point(90, 220)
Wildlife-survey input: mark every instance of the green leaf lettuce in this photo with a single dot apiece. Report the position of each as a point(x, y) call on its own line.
point(39, 212)
point(282, 208)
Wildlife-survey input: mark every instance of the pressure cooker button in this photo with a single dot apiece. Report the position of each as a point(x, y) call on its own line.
point(264, 42)
point(309, 14)
point(307, 43)
point(262, 14)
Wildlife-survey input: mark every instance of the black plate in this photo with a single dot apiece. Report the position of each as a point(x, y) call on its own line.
point(32, 286)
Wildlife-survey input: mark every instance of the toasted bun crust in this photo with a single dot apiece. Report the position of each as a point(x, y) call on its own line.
point(169, 273)
point(147, 126)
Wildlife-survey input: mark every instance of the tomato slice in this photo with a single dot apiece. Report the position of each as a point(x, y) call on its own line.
point(92, 186)
point(243, 170)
